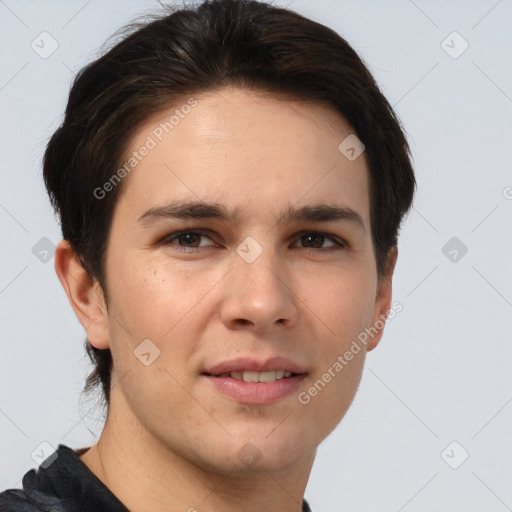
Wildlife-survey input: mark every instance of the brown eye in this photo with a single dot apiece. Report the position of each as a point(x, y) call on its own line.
point(188, 239)
point(184, 240)
point(315, 240)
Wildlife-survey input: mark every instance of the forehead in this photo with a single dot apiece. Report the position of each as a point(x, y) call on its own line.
point(252, 151)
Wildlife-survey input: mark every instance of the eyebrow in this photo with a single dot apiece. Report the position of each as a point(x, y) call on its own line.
point(321, 212)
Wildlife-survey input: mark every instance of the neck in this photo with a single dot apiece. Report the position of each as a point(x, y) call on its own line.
point(146, 475)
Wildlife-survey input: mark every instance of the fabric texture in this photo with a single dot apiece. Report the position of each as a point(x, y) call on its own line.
point(65, 485)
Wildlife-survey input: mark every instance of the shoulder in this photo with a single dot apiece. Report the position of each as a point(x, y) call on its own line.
point(28, 500)
point(40, 492)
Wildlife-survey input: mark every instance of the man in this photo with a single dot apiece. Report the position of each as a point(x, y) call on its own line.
point(230, 183)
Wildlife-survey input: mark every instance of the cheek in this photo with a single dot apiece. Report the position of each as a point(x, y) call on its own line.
point(342, 300)
point(330, 391)
point(154, 296)
point(169, 304)
point(156, 396)
point(153, 302)
point(343, 307)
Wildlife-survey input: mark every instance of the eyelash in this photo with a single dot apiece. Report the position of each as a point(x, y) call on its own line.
point(168, 240)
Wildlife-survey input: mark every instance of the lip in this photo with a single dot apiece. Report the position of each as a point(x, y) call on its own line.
point(253, 365)
point(256, 393)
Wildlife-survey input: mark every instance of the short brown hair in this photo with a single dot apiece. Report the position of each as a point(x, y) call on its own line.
point(186, 51)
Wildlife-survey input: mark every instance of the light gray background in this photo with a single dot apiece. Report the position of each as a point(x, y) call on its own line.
point(443, 370)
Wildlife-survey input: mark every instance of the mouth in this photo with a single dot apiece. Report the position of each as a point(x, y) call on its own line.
point(249, 381)
point(252, 376)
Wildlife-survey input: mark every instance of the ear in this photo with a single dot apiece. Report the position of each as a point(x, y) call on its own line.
point(84, 294)
point(382, 301)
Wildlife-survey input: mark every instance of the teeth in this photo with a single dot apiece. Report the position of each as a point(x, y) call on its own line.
point(250, 376)
point(257, 376)
point(267, 376)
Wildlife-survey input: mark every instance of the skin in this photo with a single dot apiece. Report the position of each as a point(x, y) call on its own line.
point(171, 439)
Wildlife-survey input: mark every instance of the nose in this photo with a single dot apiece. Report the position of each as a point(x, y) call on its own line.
point(259, 295)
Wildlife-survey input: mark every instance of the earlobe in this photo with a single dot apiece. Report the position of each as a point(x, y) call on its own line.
point(383, 300)
point(84, 295)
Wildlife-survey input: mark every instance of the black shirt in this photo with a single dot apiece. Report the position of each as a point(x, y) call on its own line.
point(65, 485)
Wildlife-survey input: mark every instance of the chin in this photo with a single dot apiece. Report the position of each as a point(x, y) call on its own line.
point(273, 448)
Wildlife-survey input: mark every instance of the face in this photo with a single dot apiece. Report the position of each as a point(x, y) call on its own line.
point(258, 277)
